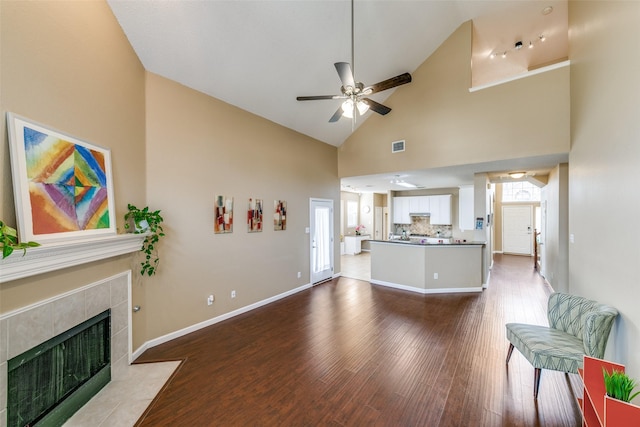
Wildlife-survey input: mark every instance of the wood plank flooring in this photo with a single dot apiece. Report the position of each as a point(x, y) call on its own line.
point(348, 353)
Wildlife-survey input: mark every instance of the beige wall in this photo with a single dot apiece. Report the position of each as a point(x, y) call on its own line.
point(200, 147)
point(444, 124)
point(556, 262)
point(603, 165)
point(69, 66)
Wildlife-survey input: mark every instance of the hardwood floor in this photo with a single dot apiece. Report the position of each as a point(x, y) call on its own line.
point(348, 353)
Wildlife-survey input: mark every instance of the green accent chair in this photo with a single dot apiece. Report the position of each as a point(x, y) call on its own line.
point(577, 326)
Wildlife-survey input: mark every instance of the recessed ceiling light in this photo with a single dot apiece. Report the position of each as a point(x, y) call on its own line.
point(547, 10)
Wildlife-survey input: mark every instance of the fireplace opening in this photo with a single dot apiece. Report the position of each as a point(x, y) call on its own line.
point(50, 382)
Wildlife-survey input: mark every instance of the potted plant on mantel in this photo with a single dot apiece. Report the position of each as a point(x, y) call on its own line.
point(146, 221)
point(9, 241)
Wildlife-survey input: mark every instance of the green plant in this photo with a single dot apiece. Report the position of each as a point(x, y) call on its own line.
point(9, 241)
point(146, 221)
point(619, 385)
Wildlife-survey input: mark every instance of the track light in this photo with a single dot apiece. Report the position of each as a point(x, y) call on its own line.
point(516, 47)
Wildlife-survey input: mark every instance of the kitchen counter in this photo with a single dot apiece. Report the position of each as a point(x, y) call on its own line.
point(424, 242)
point(427, 267)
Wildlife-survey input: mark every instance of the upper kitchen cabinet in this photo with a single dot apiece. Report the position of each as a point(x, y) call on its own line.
point(401, 207)
point(440, 207)
point(419, 204)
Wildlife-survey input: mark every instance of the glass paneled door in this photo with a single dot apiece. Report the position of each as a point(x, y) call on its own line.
point(321, 231)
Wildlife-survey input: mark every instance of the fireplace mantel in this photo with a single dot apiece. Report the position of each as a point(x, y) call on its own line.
point(55, 256)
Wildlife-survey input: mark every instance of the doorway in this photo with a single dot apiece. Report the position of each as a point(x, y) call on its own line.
point(321, 231)
point(517, 230)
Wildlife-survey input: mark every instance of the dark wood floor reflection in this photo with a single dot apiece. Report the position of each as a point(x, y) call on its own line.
point(348, 353)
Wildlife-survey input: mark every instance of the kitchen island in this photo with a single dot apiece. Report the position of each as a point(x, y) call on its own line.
point(427, 267)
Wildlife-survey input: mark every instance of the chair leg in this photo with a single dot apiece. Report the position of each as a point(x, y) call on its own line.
point(509, 352)
point(536, 382)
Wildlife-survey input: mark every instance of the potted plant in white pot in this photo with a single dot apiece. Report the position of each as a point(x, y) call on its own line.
point(146, 221)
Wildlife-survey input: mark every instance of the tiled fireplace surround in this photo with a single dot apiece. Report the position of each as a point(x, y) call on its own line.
point(27, 327)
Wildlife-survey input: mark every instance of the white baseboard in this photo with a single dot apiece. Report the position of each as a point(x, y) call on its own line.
point(426, 291)
point(177, 334)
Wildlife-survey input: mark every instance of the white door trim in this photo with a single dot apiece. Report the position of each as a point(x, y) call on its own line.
point(325, 274)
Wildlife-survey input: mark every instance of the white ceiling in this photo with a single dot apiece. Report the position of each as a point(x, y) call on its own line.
point(261, 55)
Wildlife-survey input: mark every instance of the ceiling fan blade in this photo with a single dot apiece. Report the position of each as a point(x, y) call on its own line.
point(314, 98)
point(388, 84)
point(376, 106)
point(336, 116)
point(345, 73)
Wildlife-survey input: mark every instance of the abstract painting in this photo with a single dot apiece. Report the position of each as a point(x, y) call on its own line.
point(62, 186)
point(254, 216)
point(223, 215)
point(280, 215)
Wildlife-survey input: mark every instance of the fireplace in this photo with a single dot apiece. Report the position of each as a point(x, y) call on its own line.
point(51, 381)
point(31, 326)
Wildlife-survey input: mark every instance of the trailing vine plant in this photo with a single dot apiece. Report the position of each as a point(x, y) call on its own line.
point(146, 221)
point(9, 241)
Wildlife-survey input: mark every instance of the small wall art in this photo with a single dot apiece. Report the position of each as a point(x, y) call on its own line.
point(280, 215)
point(223, 215)
point(254, 216)
point(62, 185)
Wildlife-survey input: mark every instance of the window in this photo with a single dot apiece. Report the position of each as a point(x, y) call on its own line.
point(522, 191)
point(352, 213)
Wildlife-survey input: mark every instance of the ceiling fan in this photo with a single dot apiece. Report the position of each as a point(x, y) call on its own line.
point(355, 93)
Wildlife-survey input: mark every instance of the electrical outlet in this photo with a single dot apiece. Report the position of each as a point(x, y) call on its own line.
point(210, 300)
point(233, 294)
point(299, 275)
point(435, 276)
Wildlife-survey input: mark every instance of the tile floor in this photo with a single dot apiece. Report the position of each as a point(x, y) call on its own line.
point(121, 402)
point(356, 266)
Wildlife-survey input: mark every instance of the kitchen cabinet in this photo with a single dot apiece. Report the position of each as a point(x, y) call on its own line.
point(465, 208)
point(440, 208)
point(401, 207)
point(419, 204)
point(353, 244)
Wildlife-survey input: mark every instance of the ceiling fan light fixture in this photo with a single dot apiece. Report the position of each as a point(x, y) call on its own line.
point(347, 109)
point(363, 107)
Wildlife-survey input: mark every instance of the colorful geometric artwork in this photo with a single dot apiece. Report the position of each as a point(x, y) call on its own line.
point(223, 215)
point(254, 216)
point(62, 185)
point(279, 215)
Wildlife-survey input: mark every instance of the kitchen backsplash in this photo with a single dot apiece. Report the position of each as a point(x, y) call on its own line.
point(422, 225)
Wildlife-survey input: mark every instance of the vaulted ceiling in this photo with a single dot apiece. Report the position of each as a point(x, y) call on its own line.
point(260, 55)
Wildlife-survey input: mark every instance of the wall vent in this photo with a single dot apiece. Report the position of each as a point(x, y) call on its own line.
point(397, 146)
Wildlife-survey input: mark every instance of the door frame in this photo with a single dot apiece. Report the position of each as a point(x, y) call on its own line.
point(312, 200)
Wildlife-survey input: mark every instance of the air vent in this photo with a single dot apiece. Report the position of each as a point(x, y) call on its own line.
point(397, 146)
